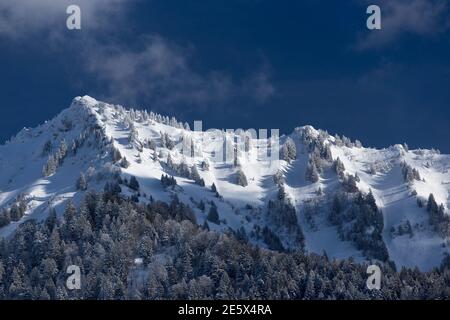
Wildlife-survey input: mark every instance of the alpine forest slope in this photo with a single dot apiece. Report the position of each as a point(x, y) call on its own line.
point(324, 194)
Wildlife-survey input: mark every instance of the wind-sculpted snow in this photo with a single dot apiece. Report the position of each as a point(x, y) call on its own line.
point(304, 199)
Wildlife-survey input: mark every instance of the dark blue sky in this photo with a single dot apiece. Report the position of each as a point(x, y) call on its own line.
point(247, 63)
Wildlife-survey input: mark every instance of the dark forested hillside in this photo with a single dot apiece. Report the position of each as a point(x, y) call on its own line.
point(156, 251)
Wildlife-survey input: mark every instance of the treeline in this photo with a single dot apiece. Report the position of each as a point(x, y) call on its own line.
point(15, 212)
point(439, 220)
point(184, 170)
point(156, 251)
point(359, 220)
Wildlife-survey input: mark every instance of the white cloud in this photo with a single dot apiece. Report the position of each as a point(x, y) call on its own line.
point(258, 86)
point(160, 73)
point(400, 17)
point(22, 18)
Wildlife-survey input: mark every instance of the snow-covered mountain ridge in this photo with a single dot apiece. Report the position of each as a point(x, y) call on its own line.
point(324, 194)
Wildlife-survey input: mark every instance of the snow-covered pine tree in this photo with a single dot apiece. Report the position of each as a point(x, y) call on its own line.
point(151, 144)
point(5, 218)
point(438, 219)
point(170, 144)
point(183, 169)
point(312, 173)
point(241, 179)
point(81, 182)
point(339, 167)
point(205, 165)
point(409, 173)
point(167, 181)
point(278, 177)
point(349, 184)
point(289, 150)
point(62, 151)
point(196, 176)
point(124, 163)
point(134, 184)
point(169, 162)
point(236, 162)
point(247, 143)
point(50, 166)
point(192, 148)
point(163, 140)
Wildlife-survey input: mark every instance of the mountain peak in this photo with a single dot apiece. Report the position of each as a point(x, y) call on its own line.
point(108, 144)
point(84, 101)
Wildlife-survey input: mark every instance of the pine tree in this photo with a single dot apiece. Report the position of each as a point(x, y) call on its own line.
point(15, 212)
point(213, 215)
point(62, 150)
point(70, 213)
point(310, 291)
point(134, 136)
point(183, 169)
point(81, 182)
point(336, 209)
point(281, 193)
point(339, 167)
point(370, 199)
point(311, 173)
point(163, 140)
point(325, 153)
point(116, 155)
point(50, 167)
point(201, 205)
point(410, 173)
point(196, 176)
point(213, 188)
point(47, 149)
point(169, 162)
point(409, 229)
point(205, 165)
point(432, 206)
point(112, 188)
point(51, 219)
point(224, 290)
point(169, 143)
point(151, 145)
point(349, 184)
point(236, 161)
point(18, 289)
point(106, 290)
point(145, 249)
point(167, 181)
point(124, 163)
point(134, 184)
point(289, 150)
point(5, 218)
point(192, 148)
point(247, 143)
point(241, 179)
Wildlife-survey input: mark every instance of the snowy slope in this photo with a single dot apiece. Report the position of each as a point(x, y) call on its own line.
point(100, 130)
point(398, 201)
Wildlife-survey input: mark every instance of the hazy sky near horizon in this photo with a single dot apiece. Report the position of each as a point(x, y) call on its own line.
point(236, 64)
